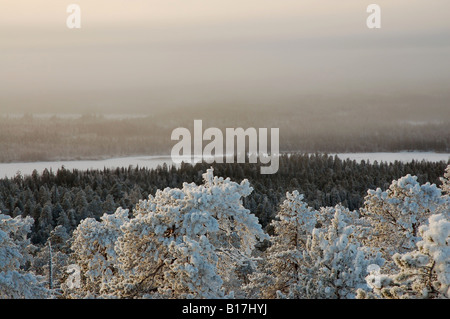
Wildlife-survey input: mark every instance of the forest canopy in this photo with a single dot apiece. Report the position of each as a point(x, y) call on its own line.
point(312, 127)
point(200, 241)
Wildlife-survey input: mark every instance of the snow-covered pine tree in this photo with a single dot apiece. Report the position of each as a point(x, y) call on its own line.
point(173, 246)
point(59, 241)
point(446, 181)
point(279, 271)
point(445, 209)
point(397, 213)
point(335, 262)
point(314, 254)
point(15, 283)
point(424, 272)
point(93, 252)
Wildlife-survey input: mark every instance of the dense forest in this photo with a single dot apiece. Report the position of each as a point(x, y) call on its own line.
point(66, 197)
point(312, 127)
point(202, 235)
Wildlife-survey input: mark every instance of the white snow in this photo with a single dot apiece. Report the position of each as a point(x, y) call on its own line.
point(10, 169)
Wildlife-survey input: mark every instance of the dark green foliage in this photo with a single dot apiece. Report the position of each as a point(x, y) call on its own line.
point(67, 196)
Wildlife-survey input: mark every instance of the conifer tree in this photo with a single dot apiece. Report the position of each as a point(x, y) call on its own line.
point(397, 213)
point(15, 253)
point(177, 239)
point(423, 272)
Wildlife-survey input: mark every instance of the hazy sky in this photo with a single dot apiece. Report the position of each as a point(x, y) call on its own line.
point(147, 54)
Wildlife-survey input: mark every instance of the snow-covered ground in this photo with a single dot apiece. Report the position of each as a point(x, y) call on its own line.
point(11, 169)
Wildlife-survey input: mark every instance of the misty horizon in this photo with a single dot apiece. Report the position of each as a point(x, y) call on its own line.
point(311, 68)
point(148, 56)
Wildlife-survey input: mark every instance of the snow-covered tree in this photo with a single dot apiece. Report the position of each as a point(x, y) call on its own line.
point(445, 209)
point(314, 254)
point(94, 254)
point(424, 272)
point(335, 262)
point(54, 257)
point(15, 247)
point(397, 213)
point(446, 181)
point(176, 240)
point(281, 268)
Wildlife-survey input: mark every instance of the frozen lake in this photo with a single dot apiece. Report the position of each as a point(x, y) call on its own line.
point(10, 169)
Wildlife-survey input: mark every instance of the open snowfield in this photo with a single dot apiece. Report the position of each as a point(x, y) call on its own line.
point(11, 169)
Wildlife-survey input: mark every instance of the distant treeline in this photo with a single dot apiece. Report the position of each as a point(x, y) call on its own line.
point(311, 128)
point(65, 197)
